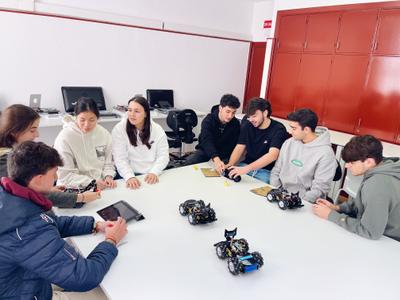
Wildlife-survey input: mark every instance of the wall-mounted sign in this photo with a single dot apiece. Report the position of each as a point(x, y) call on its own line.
point(267, 23)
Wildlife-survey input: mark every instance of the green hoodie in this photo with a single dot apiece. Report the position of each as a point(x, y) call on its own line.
point(376, 207)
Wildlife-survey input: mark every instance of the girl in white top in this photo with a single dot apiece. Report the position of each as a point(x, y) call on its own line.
point(140, 146)
point(85, 148)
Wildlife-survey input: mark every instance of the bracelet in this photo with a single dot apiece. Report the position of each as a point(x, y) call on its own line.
point(112, 239)
point(95, 230)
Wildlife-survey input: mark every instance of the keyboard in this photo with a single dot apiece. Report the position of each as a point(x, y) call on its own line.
point(107, 114)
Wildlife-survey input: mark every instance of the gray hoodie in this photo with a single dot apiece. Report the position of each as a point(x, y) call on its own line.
point(375, 211)
point(306, 168)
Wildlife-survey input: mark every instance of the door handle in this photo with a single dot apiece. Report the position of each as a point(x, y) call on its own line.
point(358, 125)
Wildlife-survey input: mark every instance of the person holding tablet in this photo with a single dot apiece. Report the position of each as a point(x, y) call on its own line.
point(85, 148)
point(34, 254)
point(140, 146)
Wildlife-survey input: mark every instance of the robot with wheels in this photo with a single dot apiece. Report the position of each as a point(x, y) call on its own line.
point(91, 187)
point(226, 174)
point(240, 260)
point(284, 198)
point(231, 247)
point(197, 212)
point(246, 263)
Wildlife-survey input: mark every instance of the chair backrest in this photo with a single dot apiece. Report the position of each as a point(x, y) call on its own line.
point(182, 123)
point(338, 172)
point(214, 108)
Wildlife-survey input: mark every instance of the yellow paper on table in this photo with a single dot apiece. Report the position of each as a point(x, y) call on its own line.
point(262, 191)
point(208, 172)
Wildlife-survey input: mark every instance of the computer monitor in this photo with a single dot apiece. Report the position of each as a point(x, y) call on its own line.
point(160, 98)
point(71, 95)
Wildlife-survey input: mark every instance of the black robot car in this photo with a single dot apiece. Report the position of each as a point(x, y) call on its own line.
point(231, 247)
point(197, 212)
point(284, 198)
point(226, 174)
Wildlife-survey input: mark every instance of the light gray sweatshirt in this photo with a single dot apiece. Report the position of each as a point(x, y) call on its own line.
point(375, 211)
point(306, 168)
point(86, 156)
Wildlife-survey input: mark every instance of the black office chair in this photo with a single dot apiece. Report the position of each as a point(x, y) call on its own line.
point(214, 108)
point(338, 172)
point(182, 123)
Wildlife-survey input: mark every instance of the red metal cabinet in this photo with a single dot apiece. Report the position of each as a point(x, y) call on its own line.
point(380, 103)
point(346, 83)
point(285, 71)
point(312, 82)
point(255, 71)
point(388, 36)
point(357, 29)
point(322, 32)
point(292, 33)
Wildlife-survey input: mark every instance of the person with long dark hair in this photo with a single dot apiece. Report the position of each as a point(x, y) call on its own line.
point(18, 124)
point(85, 148)
point(140, 146)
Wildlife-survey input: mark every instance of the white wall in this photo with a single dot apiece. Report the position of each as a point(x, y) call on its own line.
point(212, 14)
point(40, 54)
point(261, 11)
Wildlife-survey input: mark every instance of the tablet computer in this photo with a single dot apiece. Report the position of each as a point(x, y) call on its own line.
point(120, 209)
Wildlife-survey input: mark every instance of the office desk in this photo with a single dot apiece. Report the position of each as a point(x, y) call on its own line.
point(164, 257)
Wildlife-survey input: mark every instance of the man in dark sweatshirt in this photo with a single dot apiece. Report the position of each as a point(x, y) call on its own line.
point(219, 133)
point(375, 211)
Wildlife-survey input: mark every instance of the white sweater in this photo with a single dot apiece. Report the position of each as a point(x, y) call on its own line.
point(130, 160)
point(86, 156)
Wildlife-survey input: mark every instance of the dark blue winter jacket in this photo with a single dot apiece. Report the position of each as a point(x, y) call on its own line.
point(33, 253)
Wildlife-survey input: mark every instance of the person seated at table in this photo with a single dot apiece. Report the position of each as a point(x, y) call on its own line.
point(19, 123)
point(34, 254)
point(260, 140)
point(306, 162)
point(140, 145)
point(219, 134)
point(85, 148)
point(375, 211)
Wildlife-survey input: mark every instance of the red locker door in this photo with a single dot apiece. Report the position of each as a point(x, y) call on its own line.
point(380, 102)
point(292, 33)
point(345, 87)
point(285, 71)
point(357, 29)
point(322, 32)
point(254, 71)
point(312, 83)
point(388, 37)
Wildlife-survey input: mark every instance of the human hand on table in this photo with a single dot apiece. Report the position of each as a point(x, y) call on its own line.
point(133, 183)
point(151, 178)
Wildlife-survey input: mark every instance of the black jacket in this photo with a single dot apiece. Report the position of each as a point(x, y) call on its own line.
point(217, 139)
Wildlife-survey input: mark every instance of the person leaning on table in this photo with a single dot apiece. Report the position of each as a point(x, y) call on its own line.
point(139, 145)
point(375, 211)
point(33, 253)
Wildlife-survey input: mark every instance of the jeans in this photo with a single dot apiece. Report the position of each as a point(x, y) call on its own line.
point(260, 174)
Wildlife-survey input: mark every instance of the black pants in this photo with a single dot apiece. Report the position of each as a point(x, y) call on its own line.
point(199, 157)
